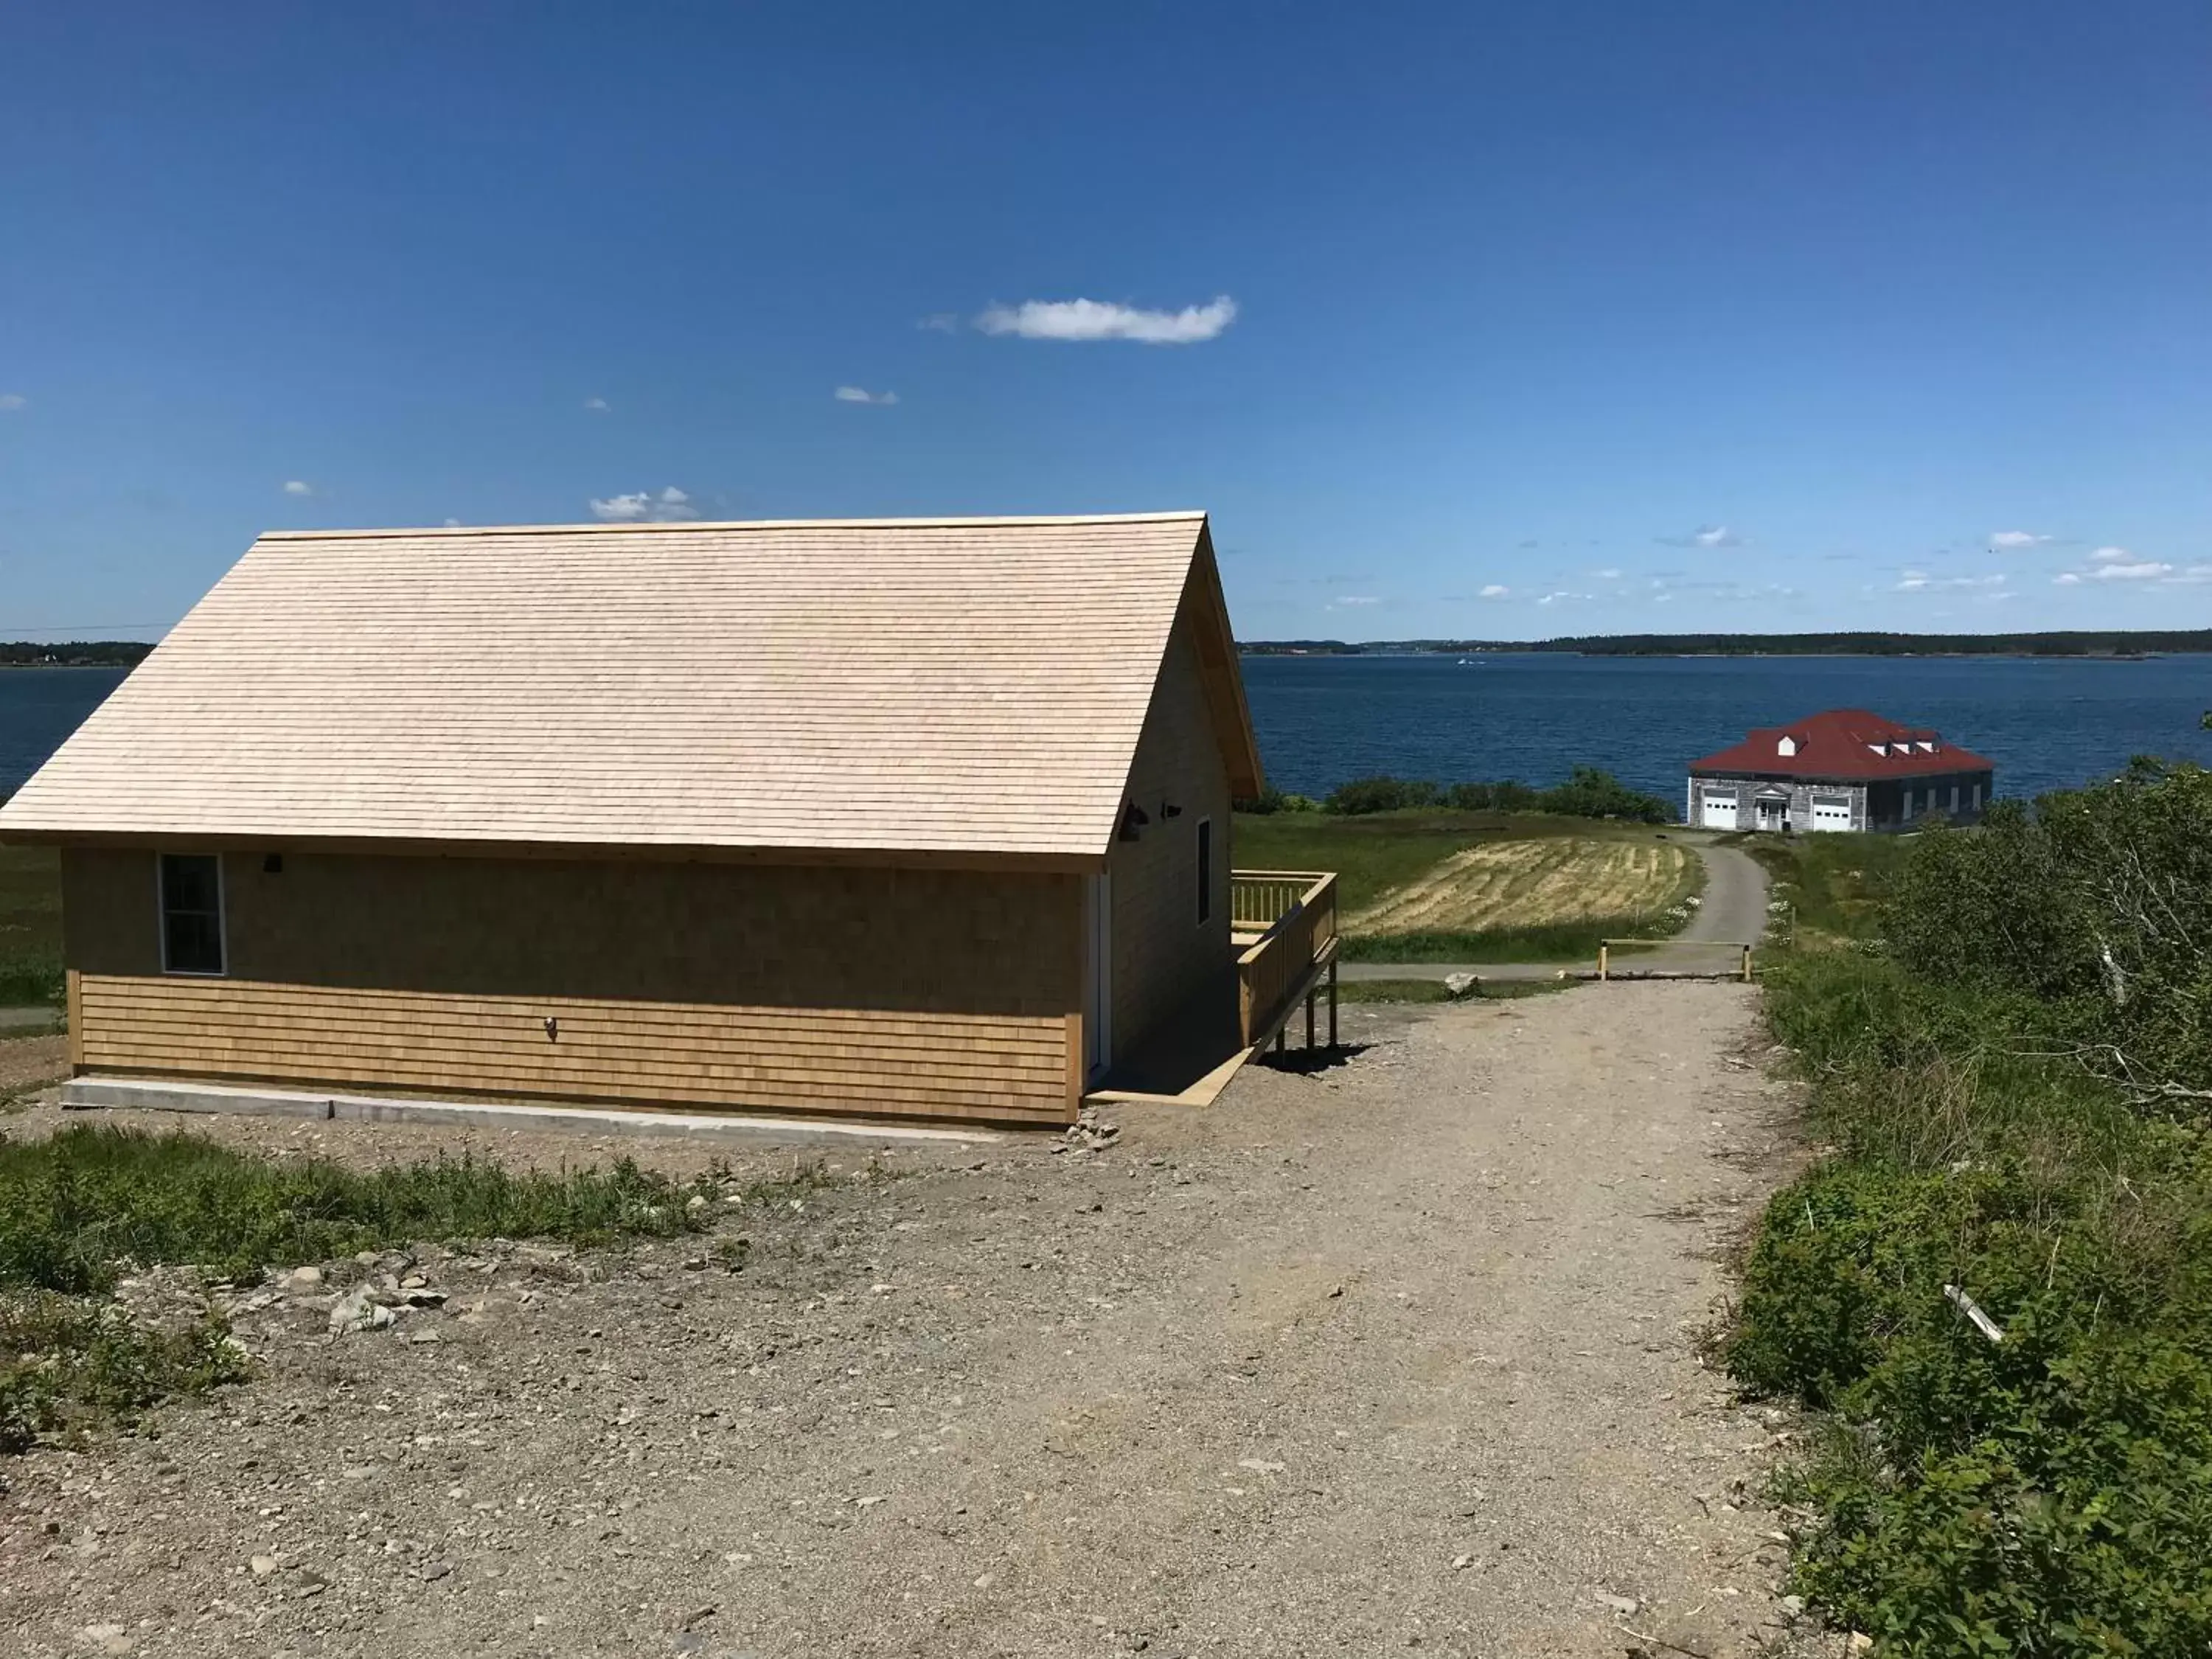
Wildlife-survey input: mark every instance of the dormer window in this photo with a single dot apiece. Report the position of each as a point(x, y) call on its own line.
point(1879, 748)
point(1787, 746)
point(1926, 746)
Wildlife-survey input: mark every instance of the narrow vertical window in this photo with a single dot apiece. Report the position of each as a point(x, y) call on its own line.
point(1205, 871)
point(192, 914)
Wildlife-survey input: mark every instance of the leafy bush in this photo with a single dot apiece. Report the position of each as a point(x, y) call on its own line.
point(1587, 794)
point(2099, 903)
point(1508, 796)
point(1274, 800)
point(1380, 795)
point(1591, 794)
point(75, 1205)
point(2050, 1493)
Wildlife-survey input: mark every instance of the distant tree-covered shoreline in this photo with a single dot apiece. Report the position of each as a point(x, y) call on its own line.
point(2119, 642)
point(75, 653)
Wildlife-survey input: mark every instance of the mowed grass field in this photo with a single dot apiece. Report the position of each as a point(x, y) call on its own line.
point(1430, 885)
point(1504, 883)
point(30, 925)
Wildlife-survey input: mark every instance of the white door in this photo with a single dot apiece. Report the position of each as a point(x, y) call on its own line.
point(1770, 812)
point(1717, 812)
point(1099, 975)
point(1831, 814)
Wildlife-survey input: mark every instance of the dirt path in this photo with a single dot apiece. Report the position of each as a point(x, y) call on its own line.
point(1399, 1353)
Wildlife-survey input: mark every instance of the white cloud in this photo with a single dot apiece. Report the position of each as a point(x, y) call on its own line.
point(645, 507)
point(1707, 535)
point(2120, 566)
point(1920, 582)
point(298, 487)
point(853, 394)
point(452, 523)
point(2011, 541)
point(2195, 576)
point(1558, 594)
point(12, 401)
point(597, 405)
point(1097, 319)
point(1608, 574)
point(1359, 598)
point(1496, 590)
point(941, 322)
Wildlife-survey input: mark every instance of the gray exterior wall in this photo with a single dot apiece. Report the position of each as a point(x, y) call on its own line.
point(1881, 805)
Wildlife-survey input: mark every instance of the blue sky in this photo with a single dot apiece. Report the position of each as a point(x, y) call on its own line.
point(1481, 320)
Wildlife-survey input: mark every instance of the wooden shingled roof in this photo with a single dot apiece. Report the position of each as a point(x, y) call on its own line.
point(926, 688)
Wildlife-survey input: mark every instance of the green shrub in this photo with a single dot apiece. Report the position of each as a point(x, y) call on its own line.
point(68, 1365)
point(1380, 795)
point(1269, 801)
point(1591, 794)
point(2048, 1493)
point(75, 1205)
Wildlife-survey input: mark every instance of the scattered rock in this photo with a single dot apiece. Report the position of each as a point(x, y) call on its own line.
point(1623, 1605)
point(434, 1570)
point(356, 1311)
point(1458, 985)
point(303, 1278)
point(263, 1565)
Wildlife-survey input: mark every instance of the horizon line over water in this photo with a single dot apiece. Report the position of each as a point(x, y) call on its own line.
point(2046, 722)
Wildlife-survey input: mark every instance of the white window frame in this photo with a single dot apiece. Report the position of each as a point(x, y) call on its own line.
point(222, 918)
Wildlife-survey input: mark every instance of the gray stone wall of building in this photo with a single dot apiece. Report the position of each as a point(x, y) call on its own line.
point(1877, 805)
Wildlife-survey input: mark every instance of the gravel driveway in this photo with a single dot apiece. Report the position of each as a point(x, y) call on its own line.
point(1398, 1353)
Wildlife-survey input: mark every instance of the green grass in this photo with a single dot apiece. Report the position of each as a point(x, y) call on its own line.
point(76, 1205)
point(79, 1207)
point(69, 1366)
point(30, 925)
point(1560, 941)
point(1834, 885)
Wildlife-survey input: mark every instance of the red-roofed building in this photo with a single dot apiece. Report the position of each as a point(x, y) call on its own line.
point(1844, 769)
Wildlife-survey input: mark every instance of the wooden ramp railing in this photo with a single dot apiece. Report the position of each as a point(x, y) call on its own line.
point(1295, 911)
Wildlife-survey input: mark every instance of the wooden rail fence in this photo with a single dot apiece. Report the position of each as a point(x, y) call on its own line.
point(1295, 911)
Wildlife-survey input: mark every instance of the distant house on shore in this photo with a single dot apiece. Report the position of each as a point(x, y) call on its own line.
point(920, 818)
point(1845, 770)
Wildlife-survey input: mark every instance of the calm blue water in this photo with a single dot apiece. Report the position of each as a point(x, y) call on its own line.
point(39, 708)
point(2047, 725)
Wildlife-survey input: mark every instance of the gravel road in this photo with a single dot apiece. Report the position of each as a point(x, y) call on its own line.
point(1398, 1352)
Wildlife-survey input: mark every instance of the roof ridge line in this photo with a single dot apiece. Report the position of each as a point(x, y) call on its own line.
point(681, 524)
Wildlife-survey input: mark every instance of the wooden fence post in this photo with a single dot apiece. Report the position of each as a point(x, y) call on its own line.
point(1601, 962)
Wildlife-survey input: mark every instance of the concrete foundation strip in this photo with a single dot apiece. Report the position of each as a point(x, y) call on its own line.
point(164, 1095)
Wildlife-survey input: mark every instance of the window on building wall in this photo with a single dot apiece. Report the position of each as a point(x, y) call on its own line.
point(1978, 797)
point(1954, 798)
point(1205, 871)
point(192, 914)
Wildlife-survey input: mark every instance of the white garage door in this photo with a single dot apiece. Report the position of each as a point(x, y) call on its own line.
point(1717, 811)
point(1831, 814)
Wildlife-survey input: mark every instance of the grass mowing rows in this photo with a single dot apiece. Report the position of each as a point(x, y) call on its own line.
point(79, 1206)
point(2048, 1494)
point(1376, 853)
